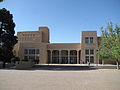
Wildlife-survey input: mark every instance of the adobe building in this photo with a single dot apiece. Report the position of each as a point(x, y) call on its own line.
point(35, 45)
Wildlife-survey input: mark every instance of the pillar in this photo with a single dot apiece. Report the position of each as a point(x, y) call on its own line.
point(77, 56)
point(68, 56)
point(51, 56)
point(59, 56)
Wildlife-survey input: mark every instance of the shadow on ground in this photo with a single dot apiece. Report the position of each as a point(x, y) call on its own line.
point(55, 68)
point(61, 68)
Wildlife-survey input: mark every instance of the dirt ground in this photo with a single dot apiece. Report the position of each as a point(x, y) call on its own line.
point(93, 79)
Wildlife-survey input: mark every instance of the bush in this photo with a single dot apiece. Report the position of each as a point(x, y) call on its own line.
point(24, 60)
point(14, 59)
point(31, 60)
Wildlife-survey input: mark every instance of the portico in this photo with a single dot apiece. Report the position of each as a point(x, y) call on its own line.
point(64, 56)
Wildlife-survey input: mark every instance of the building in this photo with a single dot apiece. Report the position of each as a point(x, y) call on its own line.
point(35, 45)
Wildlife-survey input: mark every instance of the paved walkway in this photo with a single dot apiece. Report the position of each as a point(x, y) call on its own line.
point(56, 78)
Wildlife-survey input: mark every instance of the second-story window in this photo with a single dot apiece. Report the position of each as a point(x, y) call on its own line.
point(26, 51)
point(91, 39)
point(87, 51)
point(88, 39)
point(91, 51)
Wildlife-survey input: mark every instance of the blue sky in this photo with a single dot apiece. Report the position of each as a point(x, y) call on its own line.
point(65, 18)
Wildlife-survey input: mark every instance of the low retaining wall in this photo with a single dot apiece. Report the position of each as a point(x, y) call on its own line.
point(24, 64)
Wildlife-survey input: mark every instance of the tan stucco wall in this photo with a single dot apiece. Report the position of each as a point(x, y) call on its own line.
point(40, 40)
point(63, 46)
point(94, 45)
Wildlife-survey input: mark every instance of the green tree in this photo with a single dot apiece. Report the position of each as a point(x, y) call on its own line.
point(7, 38)
point(110, 44)
point(2, 0)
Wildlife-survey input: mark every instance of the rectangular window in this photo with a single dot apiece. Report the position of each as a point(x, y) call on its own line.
point(32, 57)
point(87, 51)
point(87, 59)
point(91, 51)
point(30, 51)
point(26, 57)
point(33, 51)
point(86, 39)
point(91, 39)
point(25, 51)
point(37, 57)
point(91, 59)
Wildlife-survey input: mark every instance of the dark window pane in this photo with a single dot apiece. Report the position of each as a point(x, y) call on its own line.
point(91, 59)
point(26, 57)
point(33, 51)
point(87, 51)
point(25, 51)
point(73, 52)
point(87, 59)
point(30, 51)
point(91, 39)
point(86, 40)
point(32, 57)
point(37, 57)
point(91, 51)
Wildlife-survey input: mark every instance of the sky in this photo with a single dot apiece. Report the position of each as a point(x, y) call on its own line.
point(65, 18)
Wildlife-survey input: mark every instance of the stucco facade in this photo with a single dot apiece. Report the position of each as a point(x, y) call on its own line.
point(35, 45)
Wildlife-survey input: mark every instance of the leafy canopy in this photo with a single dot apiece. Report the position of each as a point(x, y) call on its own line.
point(110, 43)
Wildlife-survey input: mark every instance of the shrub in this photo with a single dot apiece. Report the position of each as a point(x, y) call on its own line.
point(14, 59)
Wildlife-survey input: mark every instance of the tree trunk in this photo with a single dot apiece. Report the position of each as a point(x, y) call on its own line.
point(117, 62)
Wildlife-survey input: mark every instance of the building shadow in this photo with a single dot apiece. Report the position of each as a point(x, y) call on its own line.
point(58, 68)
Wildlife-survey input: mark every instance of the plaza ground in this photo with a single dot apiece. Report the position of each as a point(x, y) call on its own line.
point(56, 77)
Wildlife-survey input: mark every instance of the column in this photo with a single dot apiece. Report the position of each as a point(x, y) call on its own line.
point(59, 56)
point(68, 56)
point(77, 56)
point(51, 56)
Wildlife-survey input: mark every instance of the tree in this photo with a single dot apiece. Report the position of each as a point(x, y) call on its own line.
point(110, 44)
point(7, 38)
point(1, 0)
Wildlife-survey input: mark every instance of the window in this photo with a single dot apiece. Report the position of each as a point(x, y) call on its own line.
point(91, 51)
point(33, 51)
point(91, 39)
point(32, 57)
point(87, 51)
point(91, 59)
point(25, 51)
point(26, 57)
point(86, 40)
point(87, 58)
point(37, 57)
point(30, 51)
point(73, 52)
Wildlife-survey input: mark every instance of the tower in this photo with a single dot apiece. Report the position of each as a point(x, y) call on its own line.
point(89, 46)
point(45, 34)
